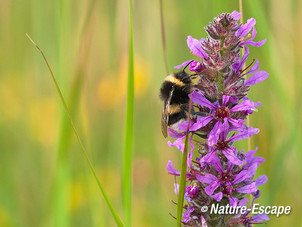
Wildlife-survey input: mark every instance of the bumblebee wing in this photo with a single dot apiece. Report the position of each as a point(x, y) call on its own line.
point(165, 114)
point(164, 121)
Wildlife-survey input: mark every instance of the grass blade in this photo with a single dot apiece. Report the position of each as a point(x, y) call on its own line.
point(116, 217)
point(128, 143)
point(60, 198)
point(182, 183)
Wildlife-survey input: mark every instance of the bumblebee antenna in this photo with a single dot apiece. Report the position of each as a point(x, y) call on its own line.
point(187, 66)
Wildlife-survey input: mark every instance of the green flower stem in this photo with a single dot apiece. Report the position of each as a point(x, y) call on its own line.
point(183, 174)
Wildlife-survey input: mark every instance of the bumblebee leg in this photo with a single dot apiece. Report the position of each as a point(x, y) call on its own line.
point(201, 114)
point(204, 136)
point(193, 112)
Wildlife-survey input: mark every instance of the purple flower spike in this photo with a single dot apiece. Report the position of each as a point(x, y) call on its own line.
point(217, 172)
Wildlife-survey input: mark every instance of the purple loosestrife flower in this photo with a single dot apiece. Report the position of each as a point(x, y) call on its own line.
point(220, 113)
point(192, 191)
point(242, 219)
point(218, 173)
point(228, 181)
point(224, 144)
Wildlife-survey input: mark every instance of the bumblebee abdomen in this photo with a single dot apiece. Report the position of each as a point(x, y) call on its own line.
point(176, 117)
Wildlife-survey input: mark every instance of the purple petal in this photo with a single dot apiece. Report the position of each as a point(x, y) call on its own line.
point(243, 202)
point(230, 166)
point(256, 78)
point(253, 168)
point(233, 201)
point(225, 99)
point(218, 196)
point(242, 176)
point(261, 180)
point(203, 121)
point(214, 134)
point(199, 99)
point(259, 218)
point(203, 222)
point(250, 154)
point(254, 68)
point(236, 15)
point(177, 143)
point(207, 178)
point(182, 64)
point(246, 104)
point(234, 100)
point(244, 134)
point(224, 130)
point(194, 126)
point(212, 187)
point(175, 134)
point(195, 47)
point(238, 66)
point(208, 157)
point(171, 169)
point(257, 160)
point(215, 161)
point(229, 154)
point(187, 214)
point(251, 161)
point(236, 122)
point(246, 28)
point(247, 188)
point(255, 44)
point(252, 43)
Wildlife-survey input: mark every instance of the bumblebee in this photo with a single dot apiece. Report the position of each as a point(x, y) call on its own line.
point(174, 92)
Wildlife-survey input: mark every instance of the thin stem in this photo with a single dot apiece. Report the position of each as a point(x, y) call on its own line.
point(241, 11)
point(183, 174)
point(163, 35)
point(117, 219)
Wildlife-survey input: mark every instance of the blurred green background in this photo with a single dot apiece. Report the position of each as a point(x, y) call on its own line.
point(44, 179)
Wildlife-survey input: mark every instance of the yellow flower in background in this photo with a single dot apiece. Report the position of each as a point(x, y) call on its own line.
point(112, 88)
